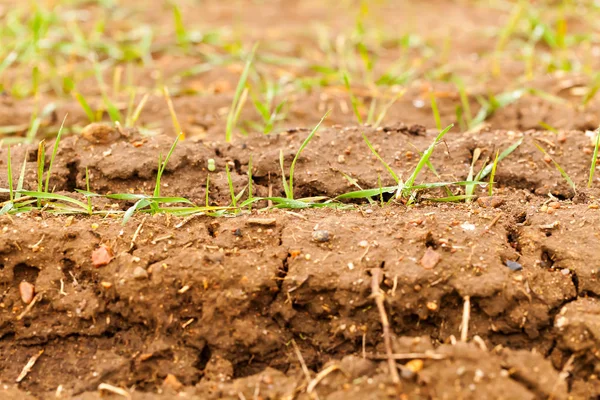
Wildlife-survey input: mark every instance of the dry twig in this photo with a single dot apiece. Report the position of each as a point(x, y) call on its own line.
point(378, 295)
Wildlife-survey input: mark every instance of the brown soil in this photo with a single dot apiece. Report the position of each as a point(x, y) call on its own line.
point(217, 303)
point(278, 304)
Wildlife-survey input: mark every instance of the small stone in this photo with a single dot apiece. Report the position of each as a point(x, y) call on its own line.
point(140, 273)
point(415, 365)
point(593, 206)
point(101, 256)
point(341, 159)
point(27, 291)
point(547, 158)
point(363, 244)
point(562, 138)
point(430, 258)
point(100, 133)
point(513, 265)
point(321, 236)
point(172, 382)
point(554, 204)
point(490, 201)
point(432, 306)
point(106, 285)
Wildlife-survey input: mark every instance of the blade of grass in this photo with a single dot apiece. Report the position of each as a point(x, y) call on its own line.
point(559, 168)
point(493, 174)
point(436, 111)
point(353, 100)
point(304, 144)
point(163, 164)
point(422, 162)
point(231, 190)
point(594, 158)
point(21, 177)
point(174, 119)
point(54, 152)
point(386, 165)
point(486, 171)
point(231, 120)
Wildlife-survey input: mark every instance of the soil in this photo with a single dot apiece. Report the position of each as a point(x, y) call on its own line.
point(498, 298)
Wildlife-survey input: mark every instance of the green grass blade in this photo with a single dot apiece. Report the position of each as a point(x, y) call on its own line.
point(231, 190)
point(367, 193)
point(6, 208)
point(436, 112)
point(163, 164)
point(142, 203)
point(486, 171)
point(422, 162)
point(21, 180)
point(304, 144)
point(386, 165)
point(353, 100)
point(493, 174)
point(594, 157)
point(86, 106)
point(559, 168)
point(231, 120)
point(286, 187)
point(54, 152)
point(55, 197)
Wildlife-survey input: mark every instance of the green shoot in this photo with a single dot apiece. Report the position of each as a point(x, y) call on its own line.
point(180, 32)
point(559, 168)
point(290, 192)
point(174, 119)
point(131, 120)
point(237, 103)
point(594, 159)
point(386, 165)
point(21, 180)
point(231, 189)
point(548, 127)
point(464, 101)
point(353, 100)
point(506, 33)
point(54, 152)
point(486, 171)
point(493, 174)
point(404, 189)
point(41, 162)
point(436, 111)
point(86, 106)
point(469, 189)
point(162, 165)
point(286, 186)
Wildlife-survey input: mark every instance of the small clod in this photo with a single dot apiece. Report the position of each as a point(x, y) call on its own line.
point(140, 273)
point(237, 232)
point(262, 221)
point(430, 258)
point(513, 265)
point(321, 236)
point(27, 291)
point(490, 201)
point(102, 256)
